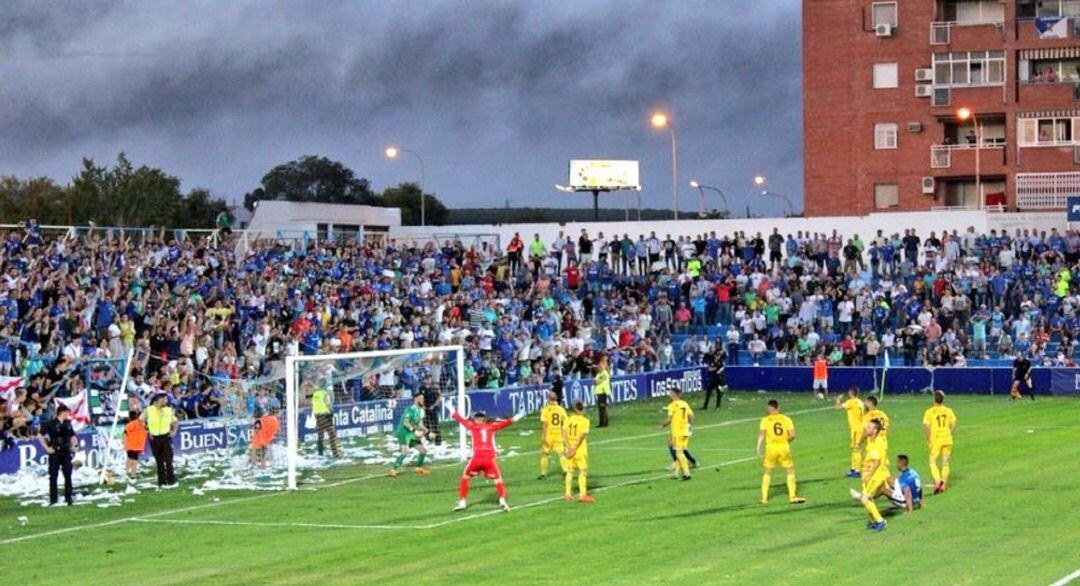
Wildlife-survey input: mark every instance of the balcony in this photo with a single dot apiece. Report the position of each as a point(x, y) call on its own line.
point(1042, 191)
point(942, 33)
point(960, 158)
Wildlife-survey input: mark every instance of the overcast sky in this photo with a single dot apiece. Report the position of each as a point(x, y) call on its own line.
point(496, 96)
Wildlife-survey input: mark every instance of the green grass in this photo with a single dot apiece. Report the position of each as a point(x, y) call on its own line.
point(1009, 517)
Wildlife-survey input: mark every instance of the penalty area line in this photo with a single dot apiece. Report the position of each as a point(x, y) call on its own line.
point(1067, 579)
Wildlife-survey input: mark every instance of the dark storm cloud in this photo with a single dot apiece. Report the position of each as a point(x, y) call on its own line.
point(496, 95)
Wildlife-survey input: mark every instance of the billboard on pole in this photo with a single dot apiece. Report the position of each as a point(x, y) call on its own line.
point(587, 175)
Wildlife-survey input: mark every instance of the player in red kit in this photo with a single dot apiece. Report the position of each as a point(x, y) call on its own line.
point(483, 431)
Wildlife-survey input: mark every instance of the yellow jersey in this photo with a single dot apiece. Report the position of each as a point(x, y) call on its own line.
point(941, 420)
point(777, 427)
point(680, 413)
point(577, 427)
point(854, 409)
point(555, 417)
point(877, 414)
point(877, 450)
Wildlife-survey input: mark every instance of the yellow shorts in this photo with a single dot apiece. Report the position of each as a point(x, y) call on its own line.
point(778, 457)
point(856, 438)
point(580, 460)
point(680, 442)
point(872, 486)
point(552, 445)
point(940, 450)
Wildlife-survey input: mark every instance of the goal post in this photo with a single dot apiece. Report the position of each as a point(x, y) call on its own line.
point(368, 392)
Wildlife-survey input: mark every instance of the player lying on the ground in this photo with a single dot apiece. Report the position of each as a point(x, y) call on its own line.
point(409, 433)
point(904, 491)
point(482, 430)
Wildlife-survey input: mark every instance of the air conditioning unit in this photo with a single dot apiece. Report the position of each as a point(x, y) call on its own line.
point(924, 90)
point(914, 126)
point(883, 30)
point(928, 185)
point(926, 74)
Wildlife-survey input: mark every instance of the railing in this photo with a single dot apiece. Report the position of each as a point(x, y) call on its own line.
point(941, 154)
point(1045, 190)
point(968, 208)
point(941, 33)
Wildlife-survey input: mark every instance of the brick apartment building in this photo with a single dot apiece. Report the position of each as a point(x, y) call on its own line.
point(886, 85)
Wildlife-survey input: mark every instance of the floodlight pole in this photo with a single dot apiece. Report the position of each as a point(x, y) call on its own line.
point(596, 205)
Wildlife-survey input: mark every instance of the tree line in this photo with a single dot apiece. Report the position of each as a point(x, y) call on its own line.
point(129, 195)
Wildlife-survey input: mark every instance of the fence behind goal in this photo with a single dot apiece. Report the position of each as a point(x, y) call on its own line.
point(361, 397)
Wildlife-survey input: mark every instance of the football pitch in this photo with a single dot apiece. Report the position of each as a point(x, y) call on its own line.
point(1010, 516)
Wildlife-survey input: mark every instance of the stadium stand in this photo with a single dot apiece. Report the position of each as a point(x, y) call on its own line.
point(208, 325)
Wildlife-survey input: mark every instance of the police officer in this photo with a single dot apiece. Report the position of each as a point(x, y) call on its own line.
point(716, 361)
point(322, 408)
point(58, 439)
point(161, 424)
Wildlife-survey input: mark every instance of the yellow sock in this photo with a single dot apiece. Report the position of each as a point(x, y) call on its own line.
point(684, 464)
point(766, 479)
point(945, 472)
point(791, 485)
point(569, 482)
point(856, 459)
point(543, 465)
point(581, 484)
point(872, 509)
point(934, 471)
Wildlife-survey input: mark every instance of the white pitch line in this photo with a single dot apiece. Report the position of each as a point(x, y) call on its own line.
point(159, 514)
point(429, 526)
point(1067, 579)
point(274, 524)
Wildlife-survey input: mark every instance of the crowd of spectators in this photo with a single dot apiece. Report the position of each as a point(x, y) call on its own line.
point(203, 317)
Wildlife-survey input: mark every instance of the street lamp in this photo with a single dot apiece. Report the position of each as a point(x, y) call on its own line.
point(701, 187)
point(661, 120)
point(965, 114)
point(759, 180)
point(393, 153)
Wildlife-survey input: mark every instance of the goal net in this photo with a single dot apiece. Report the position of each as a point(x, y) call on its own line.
point(342, 409)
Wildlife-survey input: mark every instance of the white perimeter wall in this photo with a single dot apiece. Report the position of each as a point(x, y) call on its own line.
point(289, 216)
point(864, 226)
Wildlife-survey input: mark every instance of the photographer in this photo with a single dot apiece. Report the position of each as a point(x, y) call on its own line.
point(58, 439)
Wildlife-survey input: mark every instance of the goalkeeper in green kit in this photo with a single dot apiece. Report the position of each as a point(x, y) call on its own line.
point(409, 431)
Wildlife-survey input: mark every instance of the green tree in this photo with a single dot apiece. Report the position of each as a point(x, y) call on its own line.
point(126, 195)
point(407, 197)
point(312, 179)
point(201, 210)
point(39, 198)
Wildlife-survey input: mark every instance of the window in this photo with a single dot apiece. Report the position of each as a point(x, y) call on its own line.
point(884, 13)
point(1047, 8)
point(1056, 132)
point(885, 135)
point(886, 76)
point(886, 195)
point(975, 13)
point(969, 69)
